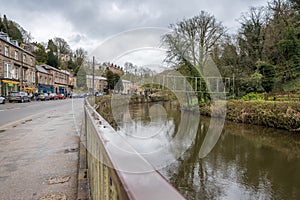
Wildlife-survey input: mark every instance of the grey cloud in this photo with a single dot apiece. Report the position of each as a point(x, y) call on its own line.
point(98, 19)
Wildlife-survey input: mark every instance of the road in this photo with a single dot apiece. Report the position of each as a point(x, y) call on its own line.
point(12, 112)
point(35, 143)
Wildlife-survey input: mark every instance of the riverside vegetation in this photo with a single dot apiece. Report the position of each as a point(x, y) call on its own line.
point(277, 114)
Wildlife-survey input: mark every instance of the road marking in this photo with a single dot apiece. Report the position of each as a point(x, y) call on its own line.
point(23, 119)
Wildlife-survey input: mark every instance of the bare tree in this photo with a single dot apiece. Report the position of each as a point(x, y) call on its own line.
point(62, 46)
point(252, 34)
point(80, 55)
point(192, 40)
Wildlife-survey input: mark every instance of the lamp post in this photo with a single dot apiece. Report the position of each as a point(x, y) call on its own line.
point(22, 74)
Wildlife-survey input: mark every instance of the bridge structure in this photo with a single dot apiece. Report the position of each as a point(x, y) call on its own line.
point(179, 83)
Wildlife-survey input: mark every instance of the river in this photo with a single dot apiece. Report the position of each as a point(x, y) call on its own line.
point(247, 161)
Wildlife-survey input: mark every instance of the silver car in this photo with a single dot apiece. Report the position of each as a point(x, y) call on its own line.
point(2, 100)
point(19, 97)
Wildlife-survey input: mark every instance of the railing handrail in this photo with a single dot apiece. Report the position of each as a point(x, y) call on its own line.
point(147, 185)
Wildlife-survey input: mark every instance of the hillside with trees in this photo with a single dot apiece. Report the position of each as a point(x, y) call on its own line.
point(262, 56)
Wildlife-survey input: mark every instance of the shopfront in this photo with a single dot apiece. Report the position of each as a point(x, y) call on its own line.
point(43, 88)
point(29, 88)
point(8, 86)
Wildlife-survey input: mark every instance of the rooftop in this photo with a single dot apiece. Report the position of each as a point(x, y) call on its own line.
point(4, 37)
point(96, 77)
point(41, 69)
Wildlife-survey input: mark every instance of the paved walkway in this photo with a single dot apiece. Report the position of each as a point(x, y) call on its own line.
point(38, 155)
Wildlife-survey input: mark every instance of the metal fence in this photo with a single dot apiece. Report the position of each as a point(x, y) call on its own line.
point(111, 173)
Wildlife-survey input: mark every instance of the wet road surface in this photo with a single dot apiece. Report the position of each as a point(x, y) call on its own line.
point(38, 142)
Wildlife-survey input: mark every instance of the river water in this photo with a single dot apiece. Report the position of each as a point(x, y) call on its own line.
point(247, 161)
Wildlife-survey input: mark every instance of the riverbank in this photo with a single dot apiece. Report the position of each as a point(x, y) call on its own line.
point(276, 114)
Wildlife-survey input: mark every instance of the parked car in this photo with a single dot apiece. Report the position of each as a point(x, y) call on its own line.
point(43, 97)
point(74, 95)
point(83, 95)
point(19, 97)
point(2, 100)
point(97, 94)
point(61, 96)
point(53, 96)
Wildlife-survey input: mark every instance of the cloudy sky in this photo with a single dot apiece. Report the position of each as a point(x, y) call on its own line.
point(88, 23)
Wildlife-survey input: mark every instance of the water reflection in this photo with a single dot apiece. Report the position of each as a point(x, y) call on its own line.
point(248, 162)
point(157, 131)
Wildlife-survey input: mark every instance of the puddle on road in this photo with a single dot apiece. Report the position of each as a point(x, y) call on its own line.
point(53, 116)
point(50, 130)
point(27, 120)
point(71, 150)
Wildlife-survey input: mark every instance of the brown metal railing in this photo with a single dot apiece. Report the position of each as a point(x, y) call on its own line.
point(111, 173)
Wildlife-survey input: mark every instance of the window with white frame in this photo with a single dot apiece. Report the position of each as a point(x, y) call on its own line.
point(32, 77)
point(16, 55)
point(24, 74)
point(30, 60)
point(24, 58)
point(7, 70)
point(6, 50)
point(16, 72)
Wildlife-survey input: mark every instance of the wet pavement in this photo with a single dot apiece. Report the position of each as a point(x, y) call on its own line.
point(39, 152)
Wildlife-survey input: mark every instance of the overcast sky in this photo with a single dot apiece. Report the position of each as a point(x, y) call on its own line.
point(87, 23)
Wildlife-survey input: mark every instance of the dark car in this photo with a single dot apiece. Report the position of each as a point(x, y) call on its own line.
point(53, 96)
point(43, 97)
point(18, 96)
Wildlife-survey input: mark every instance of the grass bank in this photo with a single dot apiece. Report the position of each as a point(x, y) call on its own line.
point(277, 114)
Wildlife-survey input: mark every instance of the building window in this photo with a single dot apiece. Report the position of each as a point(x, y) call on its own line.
point(24, 58)
point(32, 77)
point(24, 74)
point(30, 60)
point(16, 72)
point(6, 50)
point(7, 70)
point(16, 55)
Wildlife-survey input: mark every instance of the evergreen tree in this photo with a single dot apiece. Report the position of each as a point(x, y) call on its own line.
point(40, 53)
point(52, 59)
point(51, 46)
point(5, 24)
point(14, 32)
point(110, 79)
point(268, 76)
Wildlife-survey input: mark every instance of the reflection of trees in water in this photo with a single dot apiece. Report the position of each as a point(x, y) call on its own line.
point(190, 176)
point(253, 162)
point(253, 169)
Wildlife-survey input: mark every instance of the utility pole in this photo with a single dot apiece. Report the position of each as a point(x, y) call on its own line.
point(93, 79)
